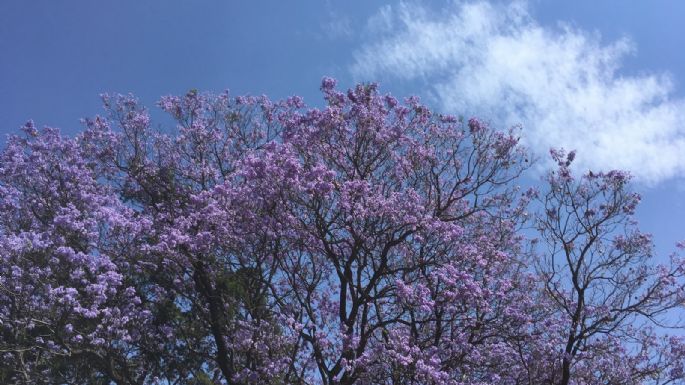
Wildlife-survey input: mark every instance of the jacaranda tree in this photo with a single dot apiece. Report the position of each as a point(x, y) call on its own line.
point(367, 242)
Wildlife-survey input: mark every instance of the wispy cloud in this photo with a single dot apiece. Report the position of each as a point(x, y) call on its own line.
point(336, 25)
point(562, 84)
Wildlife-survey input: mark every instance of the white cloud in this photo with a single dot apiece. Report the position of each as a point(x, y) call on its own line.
point(337, 27)
point(561, 83)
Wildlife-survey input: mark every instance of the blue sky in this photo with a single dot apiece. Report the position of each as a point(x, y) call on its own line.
point(607, 79)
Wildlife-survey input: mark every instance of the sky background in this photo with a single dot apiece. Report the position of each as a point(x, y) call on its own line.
point(603, 78)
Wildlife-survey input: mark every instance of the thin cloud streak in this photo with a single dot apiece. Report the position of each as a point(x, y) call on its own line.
point(561, 84)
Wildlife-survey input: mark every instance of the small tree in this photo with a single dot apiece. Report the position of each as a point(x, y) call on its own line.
point(597, 271)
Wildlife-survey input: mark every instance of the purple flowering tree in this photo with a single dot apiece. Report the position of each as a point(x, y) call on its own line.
point(597, 273)
point(69, 311)
point(366, 242)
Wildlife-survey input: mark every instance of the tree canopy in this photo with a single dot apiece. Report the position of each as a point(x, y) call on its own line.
point(370, 241)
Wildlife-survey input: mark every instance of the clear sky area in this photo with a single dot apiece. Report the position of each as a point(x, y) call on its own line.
point(605, 78)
